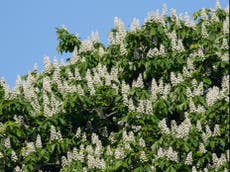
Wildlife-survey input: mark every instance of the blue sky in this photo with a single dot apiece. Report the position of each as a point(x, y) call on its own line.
point(27, 28)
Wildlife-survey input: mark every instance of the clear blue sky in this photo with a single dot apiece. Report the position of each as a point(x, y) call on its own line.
point(27, 28)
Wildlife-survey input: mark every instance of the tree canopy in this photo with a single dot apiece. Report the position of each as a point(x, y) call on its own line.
point(155, 99)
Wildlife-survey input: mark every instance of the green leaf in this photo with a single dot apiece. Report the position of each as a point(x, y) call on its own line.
point(170, 169)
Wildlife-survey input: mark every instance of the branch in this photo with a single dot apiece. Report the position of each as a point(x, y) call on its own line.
point(48, 166)
point(101, 113)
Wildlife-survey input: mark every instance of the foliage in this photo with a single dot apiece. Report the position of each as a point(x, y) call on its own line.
point(156, 99)
point(67, 41)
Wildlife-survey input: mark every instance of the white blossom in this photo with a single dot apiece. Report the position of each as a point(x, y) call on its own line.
point(228, 154)
point(226, 26)
point(224, 44)
point(199, 90)
point(189, 93)
point(77, 75)
point(86, 45)
point(125, 99)
point(163, 126)
point(55, 63)
point(153, 52)
point(97, 79)
point(216, 131)
point(148, 107)
point(225, 57)
point(78, 155)
point(127, 146)
point(188, 160)
point(212, 95)
point(6, 88)
point(173, 37)
point(173, 13)
point(47, 64)
point(46, 84)
point(213, 16)
point(89, 149)
point(175, 80)
point(204, 32)
point(164, 10)
point(173, 127)
point(160, 153)
point(78, 133)
point(131, 105)
point(161, 87)
point(167, 89)
point(172, 155)
point(112, 138)
point(134, 25)
point(203, 14)
point(76, 57)
point(225, 84)
point(109, 151)
point(200, 109)
point(84, 137)
point(205, 170)
point(118, 36)
point(100, 164)
point(95, 139)
point(162, 50)
point(142, 142)
point(46, 102)
point(215, 159)
point(28, 149)
point(208, 131)
point(155, 16)
point(184, 128)
point(218, 4)
point(119, 153)
point(154, 89)
point(139, 82)
point(143, 157)
point(101, 51)
point(180, 46)
point(94, 37)
point(14, 156)
point(141, 107)
point(91, 161)
point(56, 76)
point(7, 143)
point(123, 49)
point(64, 161)
point(194, 169)
point(89, 80)
point(204, 137)
point(69, 74)
point(227, 9)
point(192, 106)
point(38, 142)
point(17, 169)
point(19, 119)
point(188, 22)
point(55, 135)
point(198, 126)
point(131, 137)
point(69, 157)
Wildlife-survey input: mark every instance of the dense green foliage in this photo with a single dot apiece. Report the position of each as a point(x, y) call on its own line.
point(156, 99)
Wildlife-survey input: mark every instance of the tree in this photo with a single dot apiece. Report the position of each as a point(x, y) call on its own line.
point(155, 99)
